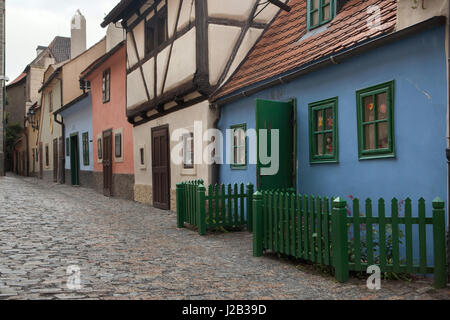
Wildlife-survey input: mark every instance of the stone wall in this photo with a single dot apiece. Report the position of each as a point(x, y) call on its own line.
point(144, 194)
point(122, 185)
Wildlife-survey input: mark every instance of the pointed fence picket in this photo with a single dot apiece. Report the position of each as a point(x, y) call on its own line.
point(220, 206)
point(349, 238)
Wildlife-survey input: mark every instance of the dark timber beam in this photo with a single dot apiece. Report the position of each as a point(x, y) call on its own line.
point(280, 4)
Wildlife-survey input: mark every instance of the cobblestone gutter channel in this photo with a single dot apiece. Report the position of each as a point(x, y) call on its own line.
point(127, 250)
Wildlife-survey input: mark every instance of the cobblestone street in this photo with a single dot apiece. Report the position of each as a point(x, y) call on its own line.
point(128, 250)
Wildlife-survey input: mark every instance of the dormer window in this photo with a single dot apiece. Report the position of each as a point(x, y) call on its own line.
point(320, 12)
point(156, 31)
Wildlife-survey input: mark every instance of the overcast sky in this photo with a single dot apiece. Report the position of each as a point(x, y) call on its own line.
point(30, 23)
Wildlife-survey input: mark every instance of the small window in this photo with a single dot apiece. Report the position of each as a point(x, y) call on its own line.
point(142, 156)
point(106, 85)
point(99, 149)
point(85, 138)
point(67, 147)
point(47, 157)
point(376, 121)
point(320, 12)
point(50, 101)
point(118, 145)
point(188, 151)
point(239, 147)
point(323, 132)
point(156, 31)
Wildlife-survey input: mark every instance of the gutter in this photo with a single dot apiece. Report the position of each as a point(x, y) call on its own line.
point(334, 59)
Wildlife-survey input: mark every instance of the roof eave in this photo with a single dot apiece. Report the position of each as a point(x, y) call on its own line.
point(329, 60)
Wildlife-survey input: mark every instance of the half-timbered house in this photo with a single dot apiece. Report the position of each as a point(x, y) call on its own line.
point(178, 53)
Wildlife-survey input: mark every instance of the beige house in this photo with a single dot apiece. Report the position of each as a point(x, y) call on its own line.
point(179, 52)
point(61, 86)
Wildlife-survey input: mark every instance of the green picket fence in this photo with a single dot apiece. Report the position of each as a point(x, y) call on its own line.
point(222, 206)
point(328, 232)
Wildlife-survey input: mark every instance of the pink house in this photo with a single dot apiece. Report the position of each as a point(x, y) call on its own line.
point(112, 133)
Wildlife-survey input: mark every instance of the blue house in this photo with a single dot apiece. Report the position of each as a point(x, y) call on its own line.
point(358, 94)
point(77, 119)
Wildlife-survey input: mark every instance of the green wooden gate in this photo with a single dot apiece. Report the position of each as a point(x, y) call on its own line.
point(271, 115)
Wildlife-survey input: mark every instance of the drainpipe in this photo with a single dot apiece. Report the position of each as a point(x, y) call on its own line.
point(63, 146)
point(215, 168)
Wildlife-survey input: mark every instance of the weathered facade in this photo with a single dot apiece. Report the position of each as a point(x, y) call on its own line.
point(61, 87)
point(178, 53)
point(112, 134)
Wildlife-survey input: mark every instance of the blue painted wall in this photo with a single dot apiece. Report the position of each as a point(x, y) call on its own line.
point(78, 119)
point(418, 66)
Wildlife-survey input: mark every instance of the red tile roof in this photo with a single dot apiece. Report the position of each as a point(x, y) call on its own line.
point(279, 49)
point(18, 79)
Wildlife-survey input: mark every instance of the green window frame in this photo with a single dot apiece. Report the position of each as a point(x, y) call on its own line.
point(320, 12)
point(323, 124)
point(375, 111)
point(238, 150)
point(67, 147)
point(85, 140)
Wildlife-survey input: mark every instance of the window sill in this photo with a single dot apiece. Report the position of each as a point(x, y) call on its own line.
point(377, 156)
point(237, 167)
point(323, 161)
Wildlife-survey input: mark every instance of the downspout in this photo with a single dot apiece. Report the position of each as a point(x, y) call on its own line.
point(63, 159)
point(27, 171)
point(215, 167)
point(63, 136)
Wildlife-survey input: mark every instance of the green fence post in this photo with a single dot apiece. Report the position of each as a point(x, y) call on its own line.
point(201, 214)
point(257, 225)
point(440, 272)
point(250, 191)
point(180, 205)
point(340, 240)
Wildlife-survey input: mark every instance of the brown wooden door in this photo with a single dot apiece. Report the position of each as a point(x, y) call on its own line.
point(41, 160)
point(55, 160)
point(161, 167)
point(107, 163)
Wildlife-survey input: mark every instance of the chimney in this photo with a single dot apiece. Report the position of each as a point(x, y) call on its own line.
point(39, 50)
point(78, 35)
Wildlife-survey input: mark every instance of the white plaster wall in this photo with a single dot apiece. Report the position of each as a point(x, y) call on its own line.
point(135, 89)
point(139, 34)
point(114, 35)
point(187, 14)
point(222, 40)
point(407, 15)
point(183, 61)
point(181, 119)
point(149, 74)
point(234, 9)
point(131, 53)
point(250, 39)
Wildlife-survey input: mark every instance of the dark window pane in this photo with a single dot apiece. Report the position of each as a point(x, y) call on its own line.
point(99, 149)
point(369, 137)
point(141, 151)
point(329, 119)
point(319, 150)
point(118, 145)
point(383, 142)
point(319, 120)
point(382, 108)
point(329, 143)
point(369, 112)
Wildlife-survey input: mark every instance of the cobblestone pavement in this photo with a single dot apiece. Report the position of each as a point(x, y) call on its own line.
point(128, 250)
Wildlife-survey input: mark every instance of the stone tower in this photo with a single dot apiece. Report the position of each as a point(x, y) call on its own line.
point(77, 35)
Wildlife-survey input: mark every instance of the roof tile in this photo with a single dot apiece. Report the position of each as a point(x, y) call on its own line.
point(280, 49)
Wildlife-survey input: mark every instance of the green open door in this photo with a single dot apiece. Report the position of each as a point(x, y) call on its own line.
point(271, 115)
